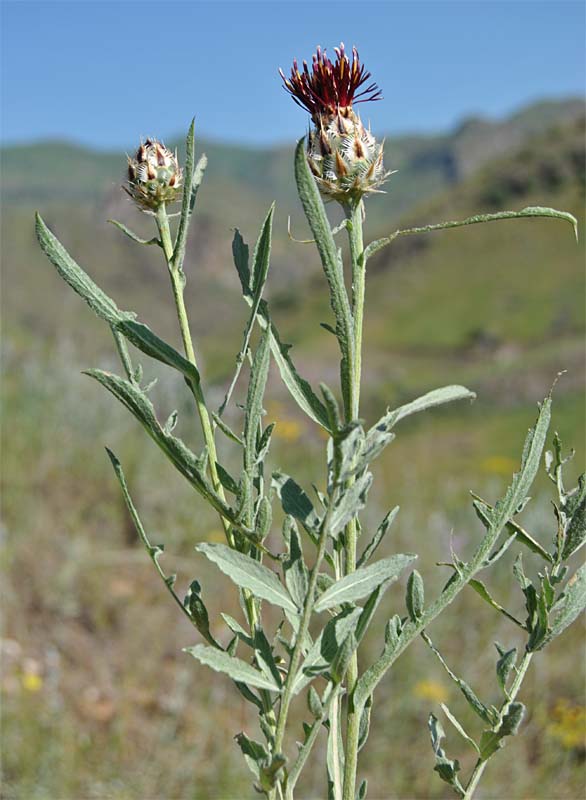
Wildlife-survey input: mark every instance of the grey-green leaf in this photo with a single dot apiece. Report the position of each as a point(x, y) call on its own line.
point(256, 389)
point(350, 504)
point(458, 726)
point(576, 532)
point(295, 501)
point(530, 211)
point(74, 275)
point(234, 667)
point(371, 547)
point(438, 397)
point(364, 581)
point(249, 574)
point(573, 604)
point(415, 596)
point(323, 650)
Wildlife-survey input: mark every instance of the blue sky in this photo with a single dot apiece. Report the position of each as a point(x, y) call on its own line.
point(104, 73)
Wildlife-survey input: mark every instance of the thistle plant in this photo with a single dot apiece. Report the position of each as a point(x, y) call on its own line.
point(324, 579)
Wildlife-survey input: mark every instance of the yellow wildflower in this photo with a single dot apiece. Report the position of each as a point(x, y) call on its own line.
point(431, 690)
point(500, 465)
point(31, 678)
point(569, 725)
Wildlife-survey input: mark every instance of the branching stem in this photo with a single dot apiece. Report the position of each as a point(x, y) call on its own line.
point(302, 632)
point(513, 692)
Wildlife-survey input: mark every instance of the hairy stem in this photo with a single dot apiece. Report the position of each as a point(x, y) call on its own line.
point(513, 692)
point(354, 215)
point(301, 633)
point(178, 285)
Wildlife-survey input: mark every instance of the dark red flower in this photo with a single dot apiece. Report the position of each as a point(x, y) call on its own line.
point(330, 88)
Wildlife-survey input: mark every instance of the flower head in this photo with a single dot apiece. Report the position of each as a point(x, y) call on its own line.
point(343, 155)
point(330, 88)
point(154, 175)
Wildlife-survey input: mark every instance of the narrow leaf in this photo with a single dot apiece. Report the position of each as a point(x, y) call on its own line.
point(532, 211)
point(415, 596)
point(573, 604)
point(350, 504)
point(362, 582)
point(458, 726)
point(131, 235)
point(252, 293)
point(235, 668)
point(249, 574)
point(322, 652)
point(74, 275)
point(176, 451)
point(371, 547)
point(295, 501)
point(192, 177)
point(256, 389)
point(320, 227)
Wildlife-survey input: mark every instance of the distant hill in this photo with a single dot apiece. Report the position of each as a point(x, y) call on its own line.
point(502, 292)
point(58, 172)
point(500, 306)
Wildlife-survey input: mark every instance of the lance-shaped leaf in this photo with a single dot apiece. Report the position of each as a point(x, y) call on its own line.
point(481, 590)
point(458, 726)
point(145, 339)
point(530, 211)
point(296, 574)
point(234, 667)
point(487, 714)
point(124, 322)
point(298, 387)
point(512, 528)
point(323, 651)
point(576, 511)
point(573, 603)
point(176, 451)
point(252, 287)
point(331, 262)
point(192, 178)
point(378, 436)
point(517, 492)
point(296, 502)
point(371, 547)
point(254, 753)
point(254, 400)
point(74, 275)
point(363, 581)
point(249, 574)
point(131, 235)
point(350, 504)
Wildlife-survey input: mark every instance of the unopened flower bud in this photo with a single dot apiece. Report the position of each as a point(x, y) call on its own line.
point(154, 176)
point(344, 156)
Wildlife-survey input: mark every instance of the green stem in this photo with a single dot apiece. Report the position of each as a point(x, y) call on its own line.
point(330, 695)
point(178, 285)
point(354, 215)
point(513, 692)
point(301, 633)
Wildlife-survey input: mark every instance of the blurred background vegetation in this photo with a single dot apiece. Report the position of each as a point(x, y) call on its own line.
point(98, 699)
